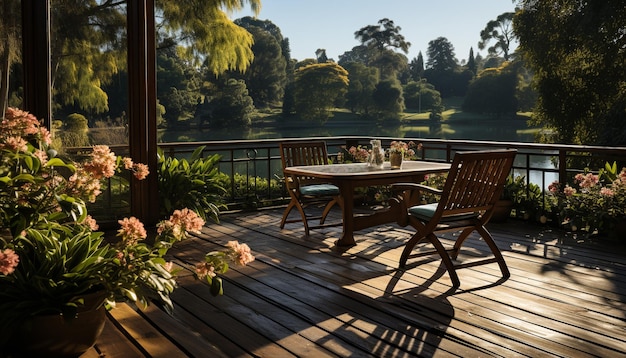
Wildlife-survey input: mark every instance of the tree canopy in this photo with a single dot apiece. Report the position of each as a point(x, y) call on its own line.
point(577, 51)
point(501, 31)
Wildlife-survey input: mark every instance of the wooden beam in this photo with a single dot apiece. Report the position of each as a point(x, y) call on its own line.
point(142, 106)
point(36, 59)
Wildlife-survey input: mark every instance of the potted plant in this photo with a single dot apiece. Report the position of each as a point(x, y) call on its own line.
point(596, 203)
point(398, 150)
point(55, 266)
point(512, 194)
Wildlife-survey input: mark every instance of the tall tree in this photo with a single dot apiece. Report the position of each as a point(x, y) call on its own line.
point(471, 62)
point(416, 67)
point(441, 55)
point(500, 30)
point(385, 35)
point(267, 76)
point(362, 84)
point(578, 67)
point(380, 42)
point(317, 87)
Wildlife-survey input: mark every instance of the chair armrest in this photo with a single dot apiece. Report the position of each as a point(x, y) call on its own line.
point(414, 186)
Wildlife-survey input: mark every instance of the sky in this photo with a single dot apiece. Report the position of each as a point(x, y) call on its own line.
point(331, 24)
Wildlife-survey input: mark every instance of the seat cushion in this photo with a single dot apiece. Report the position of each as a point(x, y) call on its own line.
point(425, 213)
point(319, 190)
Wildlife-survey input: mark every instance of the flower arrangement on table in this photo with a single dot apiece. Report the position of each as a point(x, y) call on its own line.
point(354, 154)
point(406, 149)
point(50, 252)
point(596, 202)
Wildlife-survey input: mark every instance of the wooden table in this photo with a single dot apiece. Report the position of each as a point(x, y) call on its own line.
point(349, 176)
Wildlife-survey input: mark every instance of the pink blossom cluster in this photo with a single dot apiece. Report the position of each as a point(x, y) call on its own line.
point(359, 154)
point(180, 223)
point(16, 126)
point(588, 180)
point(139, 170)
point(240, 253)
point(403, 147)
point(131, 230)
point(8, 261)
point(204, 269)
point(103, 162)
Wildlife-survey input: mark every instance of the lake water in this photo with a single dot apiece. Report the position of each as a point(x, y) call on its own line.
point(493, 130)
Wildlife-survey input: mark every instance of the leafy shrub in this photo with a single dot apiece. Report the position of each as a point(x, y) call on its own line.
point(193, 184)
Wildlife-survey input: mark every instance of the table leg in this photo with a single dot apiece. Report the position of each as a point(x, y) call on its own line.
point(347, 192)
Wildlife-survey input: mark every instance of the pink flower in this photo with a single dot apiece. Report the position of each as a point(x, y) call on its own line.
point(128, 163)
point(16, 143)
point(606, 192)
point(187, 219)
point(587, 180)
point(569, 191)
point(204, 269)
point(102, 163)
point(91, 222)
point(140, 171)
point(8, 261)
point(554, 187)
point(168, 266)
point(240, 253)
point(132, 230)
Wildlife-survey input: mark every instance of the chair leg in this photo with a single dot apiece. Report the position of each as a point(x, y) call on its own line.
point(408, 248)
point(447, 261)
point(295, 204)
point(327, 209)
point(288, 209)
point(486, 235)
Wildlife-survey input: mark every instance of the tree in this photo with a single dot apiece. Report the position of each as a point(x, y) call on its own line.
point(416, 67)
point(232, 107)
point(362, 84)
point(471, 62)
point(493, 92)
point(177, 87)
point(422, 96)
point(578, 67)
point(89, 48)
point(378, 44)
point(441, 55)
point(317, 87)
point(388, 99)
point(320, 54)
point(500, 30)
point(266, 77)
point(382, 36)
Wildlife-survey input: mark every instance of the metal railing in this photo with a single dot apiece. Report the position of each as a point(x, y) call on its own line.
point(538, 163)
point(250, 162)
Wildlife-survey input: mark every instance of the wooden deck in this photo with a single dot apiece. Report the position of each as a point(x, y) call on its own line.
point(302, 297)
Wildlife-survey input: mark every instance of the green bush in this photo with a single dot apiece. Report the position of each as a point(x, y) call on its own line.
point(193, 184)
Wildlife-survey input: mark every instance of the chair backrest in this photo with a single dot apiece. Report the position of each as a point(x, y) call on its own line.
point(475, 181)
point(301, 154)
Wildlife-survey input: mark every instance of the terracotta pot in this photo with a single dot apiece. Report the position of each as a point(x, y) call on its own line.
point(395, 159)
point(56, 336)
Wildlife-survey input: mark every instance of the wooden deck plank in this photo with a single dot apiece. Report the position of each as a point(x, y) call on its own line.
point(303, 297)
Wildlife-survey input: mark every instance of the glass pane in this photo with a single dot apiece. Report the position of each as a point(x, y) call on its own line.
point(11, 81)
point(89, 88)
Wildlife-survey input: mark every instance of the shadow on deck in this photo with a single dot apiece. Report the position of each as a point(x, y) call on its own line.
point(302, 297)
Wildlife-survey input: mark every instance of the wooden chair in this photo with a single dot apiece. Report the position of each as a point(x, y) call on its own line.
point(474, 184)
point(307, 190)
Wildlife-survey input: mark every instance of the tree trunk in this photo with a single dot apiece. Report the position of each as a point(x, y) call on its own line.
point(5, 64)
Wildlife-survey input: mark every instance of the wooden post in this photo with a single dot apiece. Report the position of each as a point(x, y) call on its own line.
point(36, 59)
point(142, 107)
